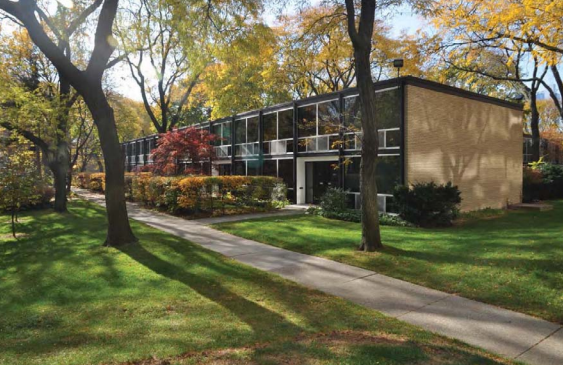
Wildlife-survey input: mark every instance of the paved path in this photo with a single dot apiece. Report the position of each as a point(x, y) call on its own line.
point(498, 330)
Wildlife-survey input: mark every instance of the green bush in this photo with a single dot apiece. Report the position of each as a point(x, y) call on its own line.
point(542, 181)
point(333, 206)
point(428, 204)
point(333, 201)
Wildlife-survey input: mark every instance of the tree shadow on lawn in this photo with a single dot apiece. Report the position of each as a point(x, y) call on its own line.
point(80, 321)
point(53, 240)
point(468, 243)
point(259, 318)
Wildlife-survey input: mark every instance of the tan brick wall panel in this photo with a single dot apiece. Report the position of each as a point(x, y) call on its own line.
point(475, 144)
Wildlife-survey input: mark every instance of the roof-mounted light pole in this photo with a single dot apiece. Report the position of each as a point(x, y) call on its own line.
point(398, 63)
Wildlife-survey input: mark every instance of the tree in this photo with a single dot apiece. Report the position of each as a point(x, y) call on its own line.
point(18, 177)
point(88, 83)
point(318, 56)
point(35, 107)
point(245, 74)
point(195, 145)
point(153, 39)
point(361, 36)
point(529, 26)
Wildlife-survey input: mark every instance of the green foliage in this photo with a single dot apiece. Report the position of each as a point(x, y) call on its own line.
point(334, 201)
point(543, 181)
point(551, 173)
point(333, 206)
point(19, 178)
point(428, 204)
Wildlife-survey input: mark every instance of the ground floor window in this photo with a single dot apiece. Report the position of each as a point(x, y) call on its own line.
point(285, 172)
point(224, 169)
point(270, 168)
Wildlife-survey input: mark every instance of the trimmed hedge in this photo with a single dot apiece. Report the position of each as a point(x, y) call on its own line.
point(189, 194)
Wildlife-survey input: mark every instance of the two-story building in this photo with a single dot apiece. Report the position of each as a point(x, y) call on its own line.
point(427, 131)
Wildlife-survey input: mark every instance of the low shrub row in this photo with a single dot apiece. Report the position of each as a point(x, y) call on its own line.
point(333, 206)
point(542, 181)
point(423, 204)
point(194, 194)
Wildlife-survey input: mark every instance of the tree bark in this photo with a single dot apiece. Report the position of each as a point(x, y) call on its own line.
point(59, 177)
point(119, 230)
point(69, 181)
point(535, 127)
point(371, 235)
point(361, 41)
point(14, 222)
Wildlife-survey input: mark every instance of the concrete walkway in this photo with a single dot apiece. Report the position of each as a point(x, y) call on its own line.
point(513, 335)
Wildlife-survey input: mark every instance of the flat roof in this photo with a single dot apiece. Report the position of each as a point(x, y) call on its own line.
point(397, 81)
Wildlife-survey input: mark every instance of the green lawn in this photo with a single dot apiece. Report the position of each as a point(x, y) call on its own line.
point(511, 259)
point(65, 299)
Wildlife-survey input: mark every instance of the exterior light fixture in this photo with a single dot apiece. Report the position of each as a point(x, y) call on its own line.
point(398, 63)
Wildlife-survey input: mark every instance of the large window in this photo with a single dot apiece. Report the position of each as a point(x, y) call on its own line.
point(270, 168)
point(223, 133)
point(285, 172)
point(247, 135)
point(388, 174)
point(239, 168)
point(270, 127)
point(352, 175)
point(352, 115)
point(388, 119)
point(252, 133)
point(217, 130)
point(252, 167)
point(388, 109)
point(226, 134)
point(329, 118)
point(307, 120)
point(240, 131)
point(285, 124)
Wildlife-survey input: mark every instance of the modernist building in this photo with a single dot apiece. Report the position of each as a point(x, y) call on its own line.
point(427, 131)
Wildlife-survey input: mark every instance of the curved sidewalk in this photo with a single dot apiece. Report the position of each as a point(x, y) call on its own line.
point(511, 334)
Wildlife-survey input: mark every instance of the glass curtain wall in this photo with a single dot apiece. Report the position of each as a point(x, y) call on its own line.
point(247, 136)
point(278, 132)
point(223, 143)
point(389, 169)
point(318, 126)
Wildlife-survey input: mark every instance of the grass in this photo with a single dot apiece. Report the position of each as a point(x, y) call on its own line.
point(510, 259)
point(65, 299)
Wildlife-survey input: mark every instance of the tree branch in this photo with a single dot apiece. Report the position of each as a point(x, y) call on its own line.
point(103, 48)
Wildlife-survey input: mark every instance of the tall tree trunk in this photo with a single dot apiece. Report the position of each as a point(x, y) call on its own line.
point(361, 40)
point(38, 161)
point(69, 180)
point(371, 236)
point(14, 222)
point(100, 164)
point(119, 230)
point(59, 177)
point(535, 127)
point(60, 166)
